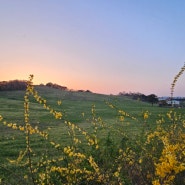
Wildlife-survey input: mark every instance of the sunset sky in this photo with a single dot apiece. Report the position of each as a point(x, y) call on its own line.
point(106, 46)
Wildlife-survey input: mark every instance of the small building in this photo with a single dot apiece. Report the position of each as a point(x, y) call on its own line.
point(166, 102)
point(173, 103)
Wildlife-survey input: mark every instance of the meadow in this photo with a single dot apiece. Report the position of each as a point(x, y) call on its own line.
point(50, 136)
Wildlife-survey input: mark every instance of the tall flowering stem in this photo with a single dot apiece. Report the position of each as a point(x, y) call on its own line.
point(27, 124)
point(175, 80)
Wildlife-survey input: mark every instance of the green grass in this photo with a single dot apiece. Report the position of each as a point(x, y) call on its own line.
point(73, 105)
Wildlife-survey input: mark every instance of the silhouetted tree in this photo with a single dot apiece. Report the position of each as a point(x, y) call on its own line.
point(152, 98)
point(56, 86)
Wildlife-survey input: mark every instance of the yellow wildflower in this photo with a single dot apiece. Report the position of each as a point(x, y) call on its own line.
point(145, 115)
point(116, 174)
point(155, 182)
point(59, 102)
point(1, 118)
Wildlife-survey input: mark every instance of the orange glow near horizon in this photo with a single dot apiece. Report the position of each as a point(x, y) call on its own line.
point(71, 83)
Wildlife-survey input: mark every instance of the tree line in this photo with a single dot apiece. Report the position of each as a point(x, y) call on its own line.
point(152, 98)
point(22, 84)
point(56, 86)
point(13, 85)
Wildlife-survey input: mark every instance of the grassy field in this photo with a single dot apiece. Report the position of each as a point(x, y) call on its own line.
point(74, 105)
point(84, 109)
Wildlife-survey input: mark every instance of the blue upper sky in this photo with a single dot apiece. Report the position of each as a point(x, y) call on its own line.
point(105, 46)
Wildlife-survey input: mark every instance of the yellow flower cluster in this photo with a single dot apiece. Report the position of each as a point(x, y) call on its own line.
point(92, 141)
point(30, 90)
point(121, 113)
point(71, 153)
point(1, 118)
point(72, 173)
point(171, 161)
point(169, 164)
point(27, 128)
point(59, 102)
point(145, 115)
point(93, 164)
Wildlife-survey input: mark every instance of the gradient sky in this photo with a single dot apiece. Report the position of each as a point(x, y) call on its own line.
point(106, 46)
